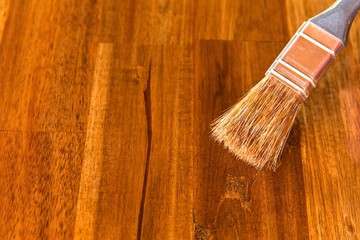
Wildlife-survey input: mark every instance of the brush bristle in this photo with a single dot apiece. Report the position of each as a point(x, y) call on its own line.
point(256, 128)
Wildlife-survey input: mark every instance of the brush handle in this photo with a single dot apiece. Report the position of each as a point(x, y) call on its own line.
point(338, 18)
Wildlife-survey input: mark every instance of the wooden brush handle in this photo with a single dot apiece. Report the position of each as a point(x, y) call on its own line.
point(338, 18)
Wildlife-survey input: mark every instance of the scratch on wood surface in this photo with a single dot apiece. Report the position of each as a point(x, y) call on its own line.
point(147, 102)
point(237, 188)
point(203, 233)
point(87, 206)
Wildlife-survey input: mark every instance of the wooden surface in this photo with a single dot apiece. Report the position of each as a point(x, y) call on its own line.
point(104, 123)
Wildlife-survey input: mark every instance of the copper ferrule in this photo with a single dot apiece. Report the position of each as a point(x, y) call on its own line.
point(305, 58)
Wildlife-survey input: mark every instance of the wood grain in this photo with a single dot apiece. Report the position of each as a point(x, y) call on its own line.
point(105, 109)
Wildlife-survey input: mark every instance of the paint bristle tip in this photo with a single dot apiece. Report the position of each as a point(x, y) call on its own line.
point(256, 128)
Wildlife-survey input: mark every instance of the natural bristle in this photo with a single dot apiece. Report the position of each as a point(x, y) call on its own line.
point(256, 128)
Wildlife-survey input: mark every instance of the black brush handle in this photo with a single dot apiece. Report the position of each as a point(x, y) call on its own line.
point(338, 18)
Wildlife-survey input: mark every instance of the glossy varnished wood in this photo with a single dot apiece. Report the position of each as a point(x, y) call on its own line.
point(105, 109)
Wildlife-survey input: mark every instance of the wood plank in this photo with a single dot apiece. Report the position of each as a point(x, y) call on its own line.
point(233, 200)
point(39, 184)
point(168, 22)
point(329, 135)
point(116, 149)
point(331, 165)
point(47, 61)
point(170, 182)
point(241, 20)
point(94, 146)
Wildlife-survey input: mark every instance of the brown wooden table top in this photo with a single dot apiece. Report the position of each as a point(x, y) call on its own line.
point(105, 109)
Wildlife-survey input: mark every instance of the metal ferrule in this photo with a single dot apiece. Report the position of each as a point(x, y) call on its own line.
point(305, 58)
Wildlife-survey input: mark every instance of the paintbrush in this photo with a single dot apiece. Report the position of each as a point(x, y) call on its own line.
point(256, 128)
